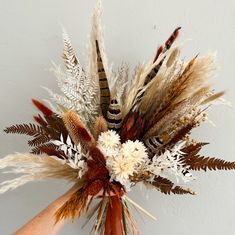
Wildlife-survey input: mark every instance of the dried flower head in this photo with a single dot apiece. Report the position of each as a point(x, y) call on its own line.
point(109, 139)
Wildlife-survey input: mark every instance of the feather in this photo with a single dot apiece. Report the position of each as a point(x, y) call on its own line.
point(149, 77)
point(168, 43)
point(114, 115)
point(103, 82)
point(158, 53)
point(172, 38)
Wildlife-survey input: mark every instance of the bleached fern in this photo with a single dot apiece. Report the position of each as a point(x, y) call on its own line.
point(79, 91)
point(75, 156)
point(169, 162)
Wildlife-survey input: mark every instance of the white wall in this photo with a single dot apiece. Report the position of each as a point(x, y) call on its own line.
point(31, 38)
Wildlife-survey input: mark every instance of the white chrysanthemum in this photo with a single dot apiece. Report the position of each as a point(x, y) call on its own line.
point(123, 162)
point(121, 166)
point(135, 150)
point(110, 152)
point(120, 169)
point(108, 139)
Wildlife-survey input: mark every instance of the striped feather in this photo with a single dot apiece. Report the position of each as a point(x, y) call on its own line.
point(103, 82)
point(153, 144)
point(150, 76)
point(114, 115)
point(168, 43)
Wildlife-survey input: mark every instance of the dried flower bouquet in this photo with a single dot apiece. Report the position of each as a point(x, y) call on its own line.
point(108, 131)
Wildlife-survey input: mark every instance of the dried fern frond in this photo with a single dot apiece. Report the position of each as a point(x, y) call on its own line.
point(49, 149)
point(193, 148)
point(167, 187)
point(73, 83)
point(181, 133)
point(51, 127)
point(25, 129)
point(41, 139)
point(34, 167)
point(197, 162)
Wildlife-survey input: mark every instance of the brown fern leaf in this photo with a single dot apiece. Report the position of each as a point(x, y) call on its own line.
point(43, 148)
point(197, 163)
point(26, 129)
point(193, 149)
point(40, 139)
point(167, 187)
point(52, 150)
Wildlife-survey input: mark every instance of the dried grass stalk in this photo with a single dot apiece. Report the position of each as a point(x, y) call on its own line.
point(34, 167)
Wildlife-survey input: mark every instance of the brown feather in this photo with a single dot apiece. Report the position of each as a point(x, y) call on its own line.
point(103, 82)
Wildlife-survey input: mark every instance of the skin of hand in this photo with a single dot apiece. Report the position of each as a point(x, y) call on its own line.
point(43, 223)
